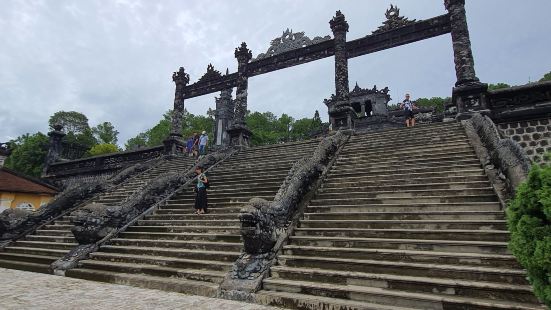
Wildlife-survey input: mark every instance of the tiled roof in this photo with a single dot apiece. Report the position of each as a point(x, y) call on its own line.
point(11, 181)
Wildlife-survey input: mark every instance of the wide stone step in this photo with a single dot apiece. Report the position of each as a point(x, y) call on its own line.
point(410, 224)
point(392, 297)
point(415, 177)
point(404, 180)
point(301, 301)
point(210, 276)
point(325, 235)
point(405, 163)
point(40, 251)
point(60, 245)
point(417, 150)
point(414, 144)
point(55, 239)
point(340, 207)
point(387, 199)
point(191, 229)
point(257, 178)
point(189, 210)
point(374, 187)
point(157, 236)
point(403, 243)
point(52, 232)
point(403, 193)
point(197, 222)
point(251, 172)
point(222, 199)
point(162, 261)
point(255, 165)
point(470, 289)
point(438, 253)
point(433, 157)
point(418, 215)
point(147, 281)
point(55, 226)
point(422, 135)
point(28, 258)
point(419, 140)
point(170, 252)
point(186, 217)
point(178, 244)
point(376, 173)
point(485, 274)
point(25, 266)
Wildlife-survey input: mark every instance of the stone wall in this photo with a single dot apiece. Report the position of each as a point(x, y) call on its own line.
point(533, 135)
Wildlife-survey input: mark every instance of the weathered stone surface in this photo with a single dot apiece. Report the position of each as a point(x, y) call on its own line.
point(505, 154)
point(289, 41)
point(539, 138)
point(94, 222)
point(393, 20)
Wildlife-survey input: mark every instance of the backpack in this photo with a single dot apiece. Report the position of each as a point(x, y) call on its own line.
point(207, 184)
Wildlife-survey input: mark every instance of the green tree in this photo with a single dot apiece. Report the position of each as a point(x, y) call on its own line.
point(105, 133)
point(434, 102)
point(546, 77)
point(28, 154)
point(529, 220)
point(103, 148)
point(71, 121)
point(498, 86)
point(136, 142)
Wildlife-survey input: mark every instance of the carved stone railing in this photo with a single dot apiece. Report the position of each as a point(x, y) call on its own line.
point(101, 164)
point(520, 102)
point(266, 226)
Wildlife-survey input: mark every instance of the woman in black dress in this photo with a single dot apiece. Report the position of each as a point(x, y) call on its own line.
point(201, 191)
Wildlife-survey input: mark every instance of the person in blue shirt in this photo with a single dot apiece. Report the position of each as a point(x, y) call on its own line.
point(201, 191)
point(189, 146)
point(203, 141)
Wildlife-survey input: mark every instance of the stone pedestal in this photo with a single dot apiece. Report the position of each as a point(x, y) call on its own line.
point(469, 99)
point(240, 136)
point(174, 145)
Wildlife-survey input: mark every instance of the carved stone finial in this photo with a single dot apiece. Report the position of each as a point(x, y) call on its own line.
point(180, 77)
point(211, 74)
point(449, 3)
point(290, 41)
point(393, 20)
point(227, 71)
point(338, 23)
point(242, 53)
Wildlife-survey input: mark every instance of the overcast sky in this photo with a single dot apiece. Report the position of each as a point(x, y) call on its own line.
point(113, 60)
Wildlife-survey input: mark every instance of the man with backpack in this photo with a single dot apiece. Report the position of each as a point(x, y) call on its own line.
point(408, 106)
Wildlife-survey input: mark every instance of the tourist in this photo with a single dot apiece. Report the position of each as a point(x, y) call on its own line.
point(195, 147)
point(189, 146)
point(203, 141)
point(408, 106)
point(201, 191)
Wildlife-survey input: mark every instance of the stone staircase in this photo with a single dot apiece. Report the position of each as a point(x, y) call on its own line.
point(52, 241)
point(173, 248)
point(406, 219)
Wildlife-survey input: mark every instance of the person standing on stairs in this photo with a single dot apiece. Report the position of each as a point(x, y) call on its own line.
point(201, 191)
point(408, 106)
point(203, 141)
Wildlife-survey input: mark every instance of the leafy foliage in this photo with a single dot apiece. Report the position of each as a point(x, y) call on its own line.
point(104, 148)
point(105, 133)
point(546, 77)
point(498, 86)
point(28, 154)
point(71, 121)
point(529, 220)
point(434, 102)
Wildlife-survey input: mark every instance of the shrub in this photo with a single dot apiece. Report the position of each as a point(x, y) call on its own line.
point(529, 220)
point(105, 148)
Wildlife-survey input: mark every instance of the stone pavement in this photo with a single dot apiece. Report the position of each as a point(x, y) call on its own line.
point(29, 290)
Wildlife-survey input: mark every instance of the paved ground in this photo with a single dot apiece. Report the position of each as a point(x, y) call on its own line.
point(28, 290)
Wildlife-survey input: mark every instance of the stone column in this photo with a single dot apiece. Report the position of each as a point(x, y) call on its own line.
point(175, 141)
point(339, 26)
point(223, 116)
point(340, 110)
point(469, 94)
point(55, 147)
point(239, 133)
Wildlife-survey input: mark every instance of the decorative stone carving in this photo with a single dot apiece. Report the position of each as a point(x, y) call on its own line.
point(211, 74)
point(290, 41)
point(393, 20)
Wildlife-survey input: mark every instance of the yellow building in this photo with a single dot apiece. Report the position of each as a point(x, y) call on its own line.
point(23, 192)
